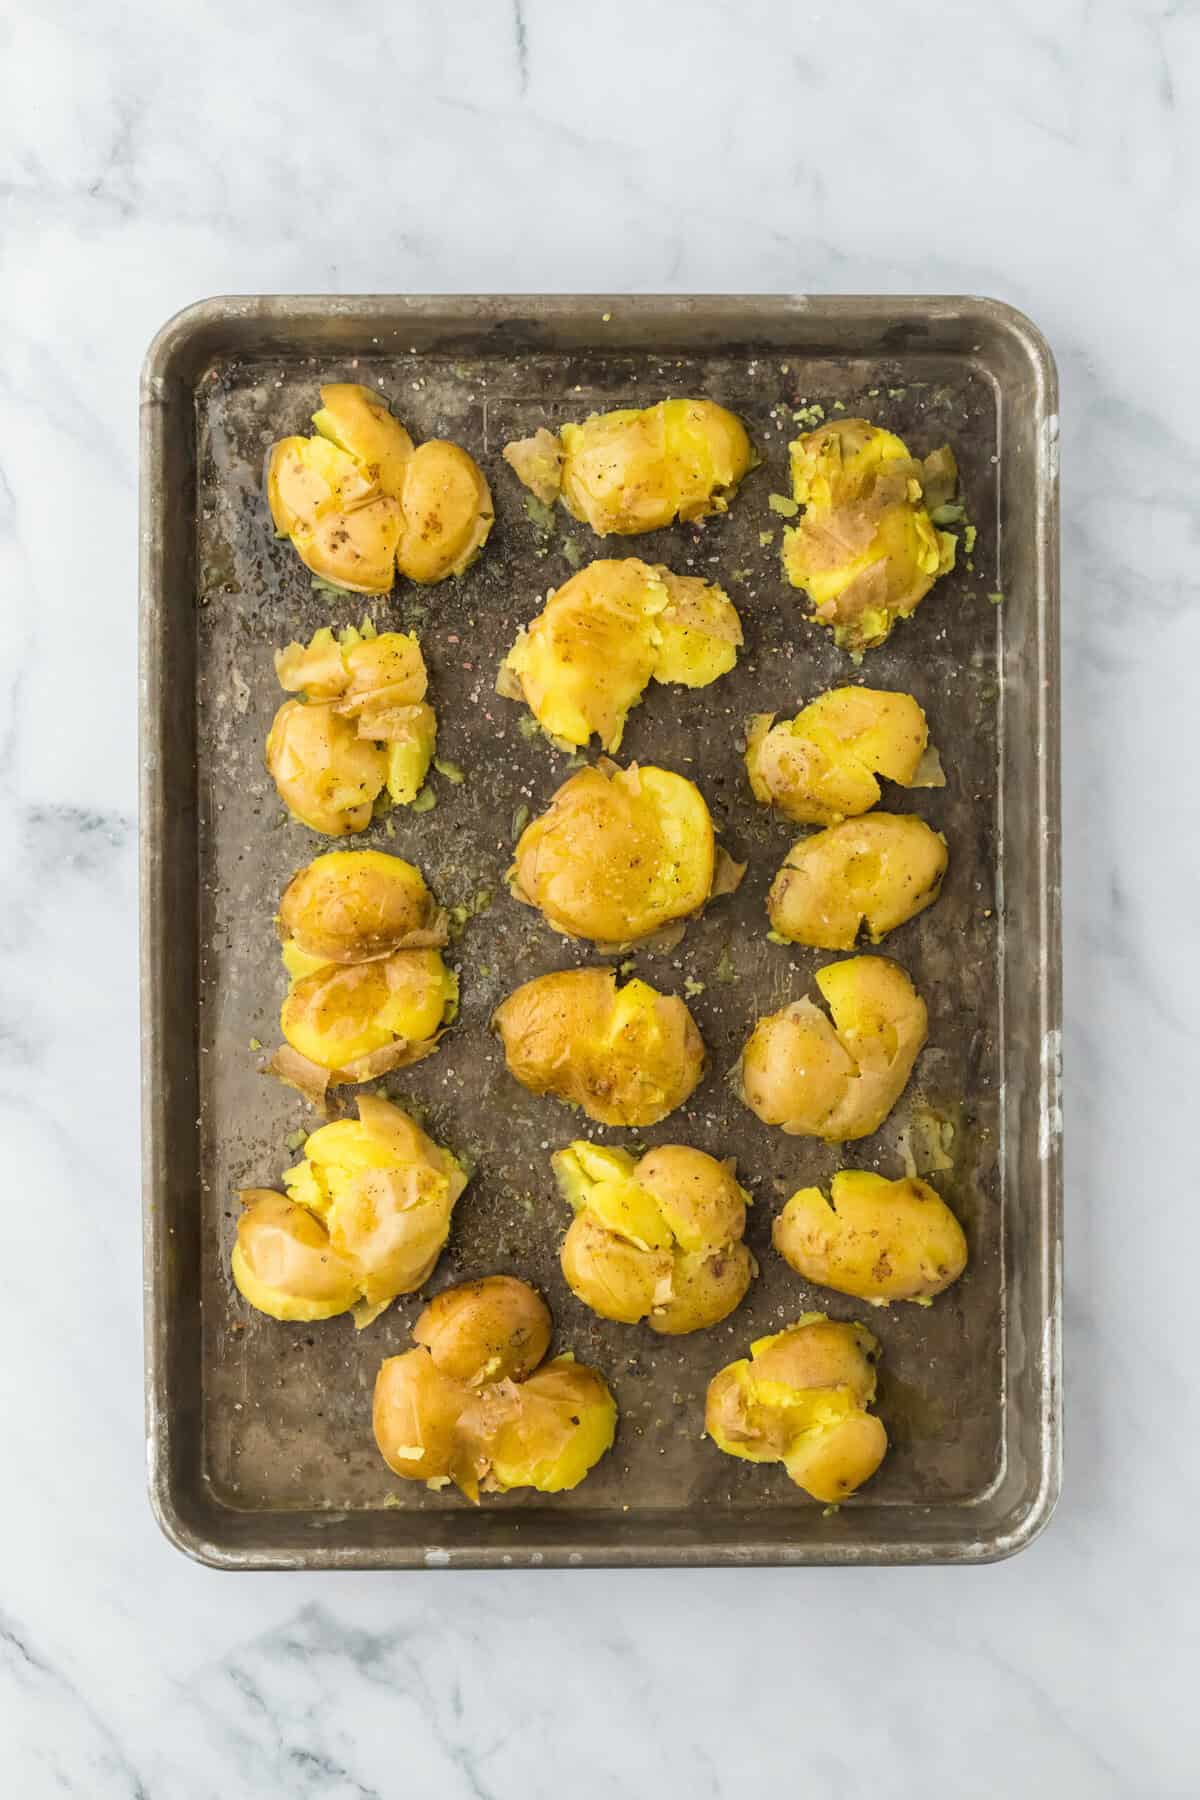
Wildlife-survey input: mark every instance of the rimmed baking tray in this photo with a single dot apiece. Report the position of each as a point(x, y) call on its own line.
point(259, 1438)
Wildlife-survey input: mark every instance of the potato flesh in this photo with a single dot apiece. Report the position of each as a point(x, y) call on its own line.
point(588, 657)
point(359, 503)
point(636, 470)
point(876, 1239)
point(658, 1239)
point(866, 550)
point(365, 1216)
point(801, 1399)
point(476, 1404)
point(342, 1013)
point(823, 765)
point(349, 905)
point(619, 854)
point(875, 872)
point(627, 1056)
point(836, 1080)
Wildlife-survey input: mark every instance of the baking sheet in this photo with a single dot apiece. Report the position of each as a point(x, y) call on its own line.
point(261, 1445)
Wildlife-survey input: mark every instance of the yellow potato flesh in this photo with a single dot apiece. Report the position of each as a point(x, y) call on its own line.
point(627, 1057)
point(658, 1239)
point(619, 854)
point(472, 1404)
point(866, 550)
point(804, 1406)
point(822, 766)
point(637, 470)
point(585, 661)
point(348, 905)
point(837, 1080)
point(343, 1012)
point(876, 1239)
point(366, 1214)
point(875, 872)
point(358, 502)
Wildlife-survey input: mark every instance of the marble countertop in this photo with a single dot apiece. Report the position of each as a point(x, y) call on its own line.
point(1045, 153)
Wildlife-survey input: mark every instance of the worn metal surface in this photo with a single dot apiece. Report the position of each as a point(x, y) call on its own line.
point(260, 1438)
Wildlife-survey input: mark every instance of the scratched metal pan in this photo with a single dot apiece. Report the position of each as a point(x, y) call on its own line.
point(260, 1445)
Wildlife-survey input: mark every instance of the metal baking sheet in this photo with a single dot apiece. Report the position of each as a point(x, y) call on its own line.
point(260, 1445)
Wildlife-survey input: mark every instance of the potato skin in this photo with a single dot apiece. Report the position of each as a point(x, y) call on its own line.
point(340, 1016)
point(801, 1399)
point(876, 1239)
point(350, 905)
point(365, 1216)
point(636, 470)
point(587, 658)
point(476, 1404)
point(836, 1080)
point(618, 854)
point(877, 872)
point(359, 503)
point(823, 765)
point(326, 775)
point(658, 1239)
point(627, 1056)
point(865, 550)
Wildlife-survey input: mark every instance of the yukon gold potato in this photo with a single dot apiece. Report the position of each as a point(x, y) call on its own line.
point(876, 1239)
point(801, 1399)
point(358, 502)
point(360, 728)
point(822, 766)
point(587, 658)
point(866, 550)
point(369, 990)
point(872, 873)
point(619, 854)
point(658, 1238)
point(475, 1404)
point(366, 1214)
point(638, 469)
point(836, 1080)
point(626, 1056)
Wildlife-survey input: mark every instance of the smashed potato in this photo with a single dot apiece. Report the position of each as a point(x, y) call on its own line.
point(471, 1405)
point(866, 550)
point(359, 502)
point(638, 469)
point(369, 990)
point(360, 727)
point(836, 1080)
point(587, 658)
point(874, 872)
point(620, 854)
point(801, 1399)
point(658, 1238)
point(879, 1240)
point(627, 1056)
point(822, 766)
point(365, 1217)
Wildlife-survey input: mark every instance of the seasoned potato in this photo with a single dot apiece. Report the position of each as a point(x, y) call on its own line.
point(365, 1218)
point(620, 854)
point(369, 990)
point(801, 1399)
point(472, 1405)
point(841, 1080)
point(876, 1239)
point(361, 726)
point(656, 1239)
point(866, 550)
point(588, 656)
point(636, 470)
point(873, 872)
point(358, 502)
point(822, 766)
point(627, 1056)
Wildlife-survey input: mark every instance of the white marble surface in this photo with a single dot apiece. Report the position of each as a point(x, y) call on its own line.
point(1044, 151)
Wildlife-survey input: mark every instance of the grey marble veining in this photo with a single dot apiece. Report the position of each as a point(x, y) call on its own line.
point(1045, 151)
